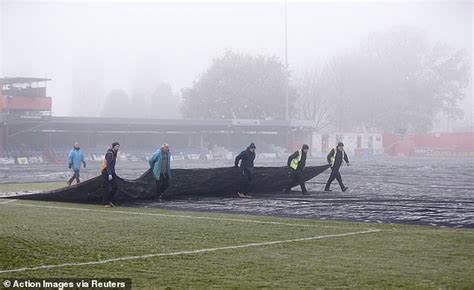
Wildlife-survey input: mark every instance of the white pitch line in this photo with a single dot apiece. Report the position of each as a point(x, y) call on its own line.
point(190, 252)
point(8, 201)
point(178, 216)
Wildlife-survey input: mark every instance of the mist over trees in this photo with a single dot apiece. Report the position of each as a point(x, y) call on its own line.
point(87, 89)
point(396, 81)
point(160, 103)
point(117, 105)
point(238, 85)
point(164, 104)
point(148, 96)
point(139, 106)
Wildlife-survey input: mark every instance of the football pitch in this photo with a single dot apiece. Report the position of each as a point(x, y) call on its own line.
point(162, 248)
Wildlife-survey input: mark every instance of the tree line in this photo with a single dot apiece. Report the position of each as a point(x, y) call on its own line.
point(396, 81)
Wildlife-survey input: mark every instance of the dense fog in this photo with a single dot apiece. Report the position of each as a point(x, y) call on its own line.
point(385, 65)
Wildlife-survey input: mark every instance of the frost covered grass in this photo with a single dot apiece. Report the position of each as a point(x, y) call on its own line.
point(188, 249)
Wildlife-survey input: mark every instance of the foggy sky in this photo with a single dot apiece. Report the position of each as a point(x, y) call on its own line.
point(128, 44)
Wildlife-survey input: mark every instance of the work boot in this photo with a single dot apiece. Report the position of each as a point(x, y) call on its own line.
point(327, 190)
point(241, 195)
point(345, 188)
point(107, 206)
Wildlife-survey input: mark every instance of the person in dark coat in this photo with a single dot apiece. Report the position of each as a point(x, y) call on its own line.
point(160, 163)
point(246, 159)
point(297, 163)
point(336, 158)
point(108, 174)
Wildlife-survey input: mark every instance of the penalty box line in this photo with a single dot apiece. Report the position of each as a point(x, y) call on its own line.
point(190, 252)
point(173, 216)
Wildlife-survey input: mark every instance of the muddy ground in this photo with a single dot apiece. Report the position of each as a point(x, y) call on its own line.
point(413, 190)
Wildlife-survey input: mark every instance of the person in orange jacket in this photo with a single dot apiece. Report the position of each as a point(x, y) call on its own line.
point(108, 174)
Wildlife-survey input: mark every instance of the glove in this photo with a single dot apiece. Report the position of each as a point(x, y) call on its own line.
point(110, 177)
point(70, 165)
point(84, 164)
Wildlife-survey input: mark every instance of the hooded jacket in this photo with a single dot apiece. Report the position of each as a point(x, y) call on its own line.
point(247, 158)
point(75, 158)
point(155, 162)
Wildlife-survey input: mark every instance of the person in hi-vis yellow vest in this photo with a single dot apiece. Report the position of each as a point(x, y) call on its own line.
point(297, 162)
point(336, 158)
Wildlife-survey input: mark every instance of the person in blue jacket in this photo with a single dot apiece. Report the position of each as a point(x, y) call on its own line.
point(160, 163)
point(75, 158)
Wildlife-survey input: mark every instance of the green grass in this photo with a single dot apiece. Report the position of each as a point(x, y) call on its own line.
point(15, 187)
point(397, 256)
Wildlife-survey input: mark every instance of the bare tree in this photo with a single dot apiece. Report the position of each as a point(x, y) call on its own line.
point(397, 81)
point(314, 101)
